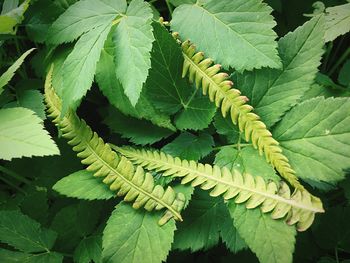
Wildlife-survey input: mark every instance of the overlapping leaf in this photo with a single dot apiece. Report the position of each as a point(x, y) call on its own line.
point(240, 32)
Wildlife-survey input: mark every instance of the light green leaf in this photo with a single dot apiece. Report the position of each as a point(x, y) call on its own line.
point(22, 134)
point(82, 17)
point(83, 185)
point(133, 40)
point(201, 225)
point(181, 2)
point(271, 240)
point(89, 250)
point(9, 256)
point(30, 99)
point(196, 115)
point(165, 87)
point(7, 76)
point(273, 92)
point(80, 66)
point(235, 34)
point(337, 21)
point(138, 131)
point(23, 233)
point(315, 136)
point(190, 147)
point(12, 18)
point(8, 5)
point(113, 90)
point(133, 236)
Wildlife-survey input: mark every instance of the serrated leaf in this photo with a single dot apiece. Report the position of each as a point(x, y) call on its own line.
point(133, 236)
point(112, 89)
point(69, 225)
point(23, 233)
point(83, 185)
point(89, 250)
point(201, 225)
point(190, 147)
point(82, 17)
point(165, 87)
point(246, 160)
point(138, 131)
point(9, 256)
point(80, 66)
point(224, 126)
point(30, 99)
point(273, 92)
point(22, 134)
point(315, 136)
point(7, 76)
point(239, 32)
point(196, 115)
point(271, 240)
point(337, 21)
point(133, 40)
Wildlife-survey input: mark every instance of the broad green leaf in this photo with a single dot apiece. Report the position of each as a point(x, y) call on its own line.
point(133, 40)
point(12, 18)
point(30, 99)
point(272, 92)
point(7, 76)
point(224, 126)
point(82, 17)
point(230, 236)
point(89, 250)
point(74, 222)
point(80, 66)
point(22, 134)
point(201, 225)
point(133, 236)
point(196, 115)
point(35, 204)
point(23, 233)
point(271, 240)
point(112, 89)
point(190, 147)
point(337, 21)
point(9, 256)
point(235, 34)
point(83, 185)
point(138, 131)
point(245, 160)
point(315, 136)
point(181, 2)
point(165, 87)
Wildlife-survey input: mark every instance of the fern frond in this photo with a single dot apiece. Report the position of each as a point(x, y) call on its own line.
point(219, 88)
point(297, 208)
point(119, 173)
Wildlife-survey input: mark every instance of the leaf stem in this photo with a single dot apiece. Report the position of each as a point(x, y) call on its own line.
point(14, 175)
point(169, 7)
point(336, 254)
point(11, 184)
point(340, 60)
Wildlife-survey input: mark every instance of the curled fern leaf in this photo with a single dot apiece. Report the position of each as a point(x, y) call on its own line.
point(297, 208)
point(134, 184)
point(219, 88)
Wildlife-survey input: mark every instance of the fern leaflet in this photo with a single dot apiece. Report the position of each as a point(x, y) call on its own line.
point(118, 172)
point(298, 207)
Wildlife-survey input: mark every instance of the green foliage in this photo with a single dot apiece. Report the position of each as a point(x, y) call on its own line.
point(137, 235)
point(314, 124)
point(83, 185)
point(229, 24)
point(22, 134)
point(244, 103)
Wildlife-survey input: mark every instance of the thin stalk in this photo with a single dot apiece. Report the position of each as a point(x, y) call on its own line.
point(236, 145)
point(12, 184)
point(169, 7)
point(14, 175)
point(340, 61)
